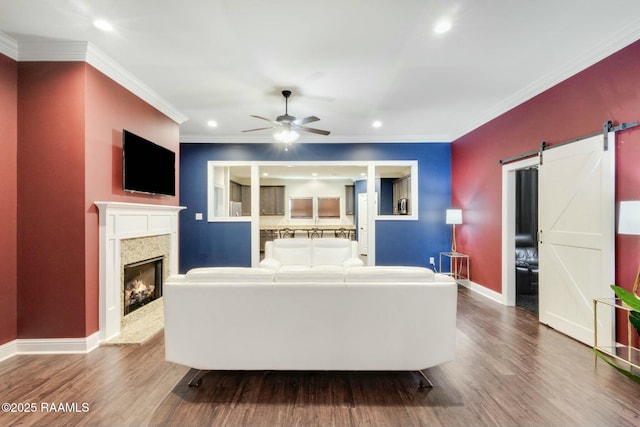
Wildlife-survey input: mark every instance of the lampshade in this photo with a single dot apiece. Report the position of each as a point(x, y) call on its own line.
point(454, 216)
point(629, 219)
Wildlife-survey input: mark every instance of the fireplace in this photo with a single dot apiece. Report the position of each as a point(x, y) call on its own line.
point(142, 283)
point(130, 232)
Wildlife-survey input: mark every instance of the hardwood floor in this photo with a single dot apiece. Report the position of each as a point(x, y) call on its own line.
point(509, 370)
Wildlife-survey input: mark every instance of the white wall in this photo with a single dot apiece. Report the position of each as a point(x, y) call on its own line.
point(309, 188)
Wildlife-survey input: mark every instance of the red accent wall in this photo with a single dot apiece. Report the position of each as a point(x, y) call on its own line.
point(608, 90)
point(50, 200)
point(70, 121)
point(8, 206)
point(109, 109)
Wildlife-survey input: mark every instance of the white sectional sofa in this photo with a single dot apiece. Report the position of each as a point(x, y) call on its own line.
point(323, 260)
point(325, 315)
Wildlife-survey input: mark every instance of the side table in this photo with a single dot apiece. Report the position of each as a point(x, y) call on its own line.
point(458, 265)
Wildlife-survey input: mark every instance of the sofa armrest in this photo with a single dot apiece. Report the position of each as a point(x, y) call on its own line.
point(268, 249)
point(355, 249)
point(271, 263)
point(352, 262)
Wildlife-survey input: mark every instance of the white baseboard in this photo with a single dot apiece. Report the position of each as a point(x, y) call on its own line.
point(8, 350)
point(49, 346)
point(485, 292)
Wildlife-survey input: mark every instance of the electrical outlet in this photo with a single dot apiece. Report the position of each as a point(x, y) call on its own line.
point(432, 260)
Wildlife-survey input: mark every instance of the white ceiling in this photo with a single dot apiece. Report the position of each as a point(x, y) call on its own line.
point(349, 62)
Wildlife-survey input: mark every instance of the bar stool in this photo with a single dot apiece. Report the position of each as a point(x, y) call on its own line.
point(314, 233)
point(287, 233)
point(342, 233)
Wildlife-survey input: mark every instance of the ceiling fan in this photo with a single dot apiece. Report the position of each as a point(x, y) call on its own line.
point(289, 125)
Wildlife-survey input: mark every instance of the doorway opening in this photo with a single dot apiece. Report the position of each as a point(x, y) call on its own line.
point(526, 238)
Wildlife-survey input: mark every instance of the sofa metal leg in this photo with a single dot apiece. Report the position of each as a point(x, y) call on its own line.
point(422, 384)
point(196, 380)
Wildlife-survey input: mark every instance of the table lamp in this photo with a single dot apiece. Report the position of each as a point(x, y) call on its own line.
point(629, 223)
point(453, 217)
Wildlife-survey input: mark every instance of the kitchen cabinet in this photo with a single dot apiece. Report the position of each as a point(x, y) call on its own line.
point(271, 200)
point(241, 193)
point(246, 200)
point(401, 190)
point(349, 199)
point(235, 192)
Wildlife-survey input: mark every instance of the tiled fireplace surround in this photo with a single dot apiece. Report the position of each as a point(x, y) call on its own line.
point(131, 232)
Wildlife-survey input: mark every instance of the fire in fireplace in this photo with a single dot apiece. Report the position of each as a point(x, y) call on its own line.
point(142, 283)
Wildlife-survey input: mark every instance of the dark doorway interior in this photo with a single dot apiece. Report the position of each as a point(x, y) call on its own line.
point(526, 239)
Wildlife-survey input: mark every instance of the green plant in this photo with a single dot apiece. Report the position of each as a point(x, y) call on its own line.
point(633, 302)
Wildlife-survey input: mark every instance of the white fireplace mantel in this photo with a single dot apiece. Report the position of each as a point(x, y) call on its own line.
point(119, 221)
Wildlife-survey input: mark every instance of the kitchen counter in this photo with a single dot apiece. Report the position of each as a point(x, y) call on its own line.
point(300, 227)
point(270, 232)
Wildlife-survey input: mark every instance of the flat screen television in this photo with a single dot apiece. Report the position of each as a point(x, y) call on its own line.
point(147, 167)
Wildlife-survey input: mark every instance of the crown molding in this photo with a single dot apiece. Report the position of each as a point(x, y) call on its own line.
point(607, 47)
point(62, 51)
point(306, 138)
point(86, 52)
point(8, 46)
point(116, 72)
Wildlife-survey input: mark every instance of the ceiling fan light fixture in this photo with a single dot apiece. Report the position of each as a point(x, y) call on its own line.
point(286, 135)
point(103, 25)
point(289, 125)
point(442, 26)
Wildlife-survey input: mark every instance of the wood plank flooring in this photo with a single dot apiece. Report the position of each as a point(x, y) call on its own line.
point(509, 371)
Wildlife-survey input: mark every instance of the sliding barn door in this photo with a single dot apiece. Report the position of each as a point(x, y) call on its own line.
point(576, 248)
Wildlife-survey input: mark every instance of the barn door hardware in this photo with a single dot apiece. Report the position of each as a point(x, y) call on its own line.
point(608, 127)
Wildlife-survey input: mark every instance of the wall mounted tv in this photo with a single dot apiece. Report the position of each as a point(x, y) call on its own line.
point(147, 167)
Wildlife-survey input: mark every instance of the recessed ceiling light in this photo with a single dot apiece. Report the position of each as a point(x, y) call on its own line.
point(442, 27)
point(103, 25)
point(314, 174)
point(376, 124)
point(212, 124)
point(265, 174)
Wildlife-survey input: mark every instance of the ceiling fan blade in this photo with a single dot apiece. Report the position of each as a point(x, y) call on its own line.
point(312, 130)
point(263, 118)
point(306, 120)
point(251, 130)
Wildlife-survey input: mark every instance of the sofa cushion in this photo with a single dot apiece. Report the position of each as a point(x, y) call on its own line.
point(330, 251)
point(230, 274)
point(386, 274)
point(270, 263)
point(292, 251)
point(307, 274)
point(352, 262)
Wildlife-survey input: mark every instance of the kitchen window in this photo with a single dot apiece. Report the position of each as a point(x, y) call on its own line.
point(301, 207)
point(328, 207)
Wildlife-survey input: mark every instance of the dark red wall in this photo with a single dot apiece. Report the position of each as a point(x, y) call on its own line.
point(51, 170)
point(608, 90)
point(8, 205)
point(109, 109)
point(70, 121)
